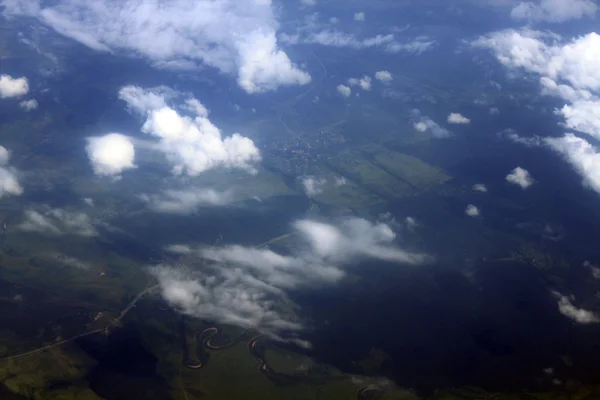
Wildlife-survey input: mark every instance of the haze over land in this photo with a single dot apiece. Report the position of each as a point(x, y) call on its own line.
point(357, 198)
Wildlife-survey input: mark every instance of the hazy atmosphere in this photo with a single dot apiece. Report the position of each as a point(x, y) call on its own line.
point(299, 199)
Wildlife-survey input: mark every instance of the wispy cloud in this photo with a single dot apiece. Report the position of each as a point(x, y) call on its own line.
point(58, 221)
point(248, 286)
point(187, 201)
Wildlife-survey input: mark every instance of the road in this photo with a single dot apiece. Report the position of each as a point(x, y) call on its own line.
point(113, 323)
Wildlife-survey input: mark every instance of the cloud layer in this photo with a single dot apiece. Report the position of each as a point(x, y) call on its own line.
point(248, 286)
point(569, 70)
point(234, 37)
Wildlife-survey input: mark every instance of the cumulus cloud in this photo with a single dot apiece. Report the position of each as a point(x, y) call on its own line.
point(247, 286)
point(480, 187)
point(344, 90)
point(192, 144)
point(423, 123)
point(583, 156)
point(29, 105)
point(579, 315)
point(569, 69)
point(187, 201)
point(13, 87)
point(234, 37)
point(313, 186)
point(456, 118)
point(9, 183)
point(58, 221)
point(554, 10)
point(472, 211)
point(359, 16)
point(364, 82)
point(521, 177)
point(110, 154)
point(574, 62)
point(583, 116)
point(420, 126)
point(384, 76)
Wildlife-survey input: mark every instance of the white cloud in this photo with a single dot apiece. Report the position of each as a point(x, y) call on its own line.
point(354, 238)
point(232, 36)
point(344, 90)
point(384, 76)
point(313, 186)
point(578, 315)
point(583, 116)
point(583, 156)
point(410, 222)
point(593, 269)
point(110, 154)
point(420, 126)
point(186, 201)
point(334, 20)
point(192, 145)
point(58, 221)
point(480, 187)
point(456, 118)
point(554, 10)
point(521, 177)
point(4, 155)
point(364, 82)
point(472, 211)
point(68, 261)
point(570, 70)
point(567, 69)
point(247, 286)
point(141, 100)
point(423, 123)
point(339, 181)
point(9, 183)
point(336, 38)
point(13, 87)
point(29, 105)
point(494, 110)
point(576, 62)
point(309, 2)
point(418, 45)
point(359, 16)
